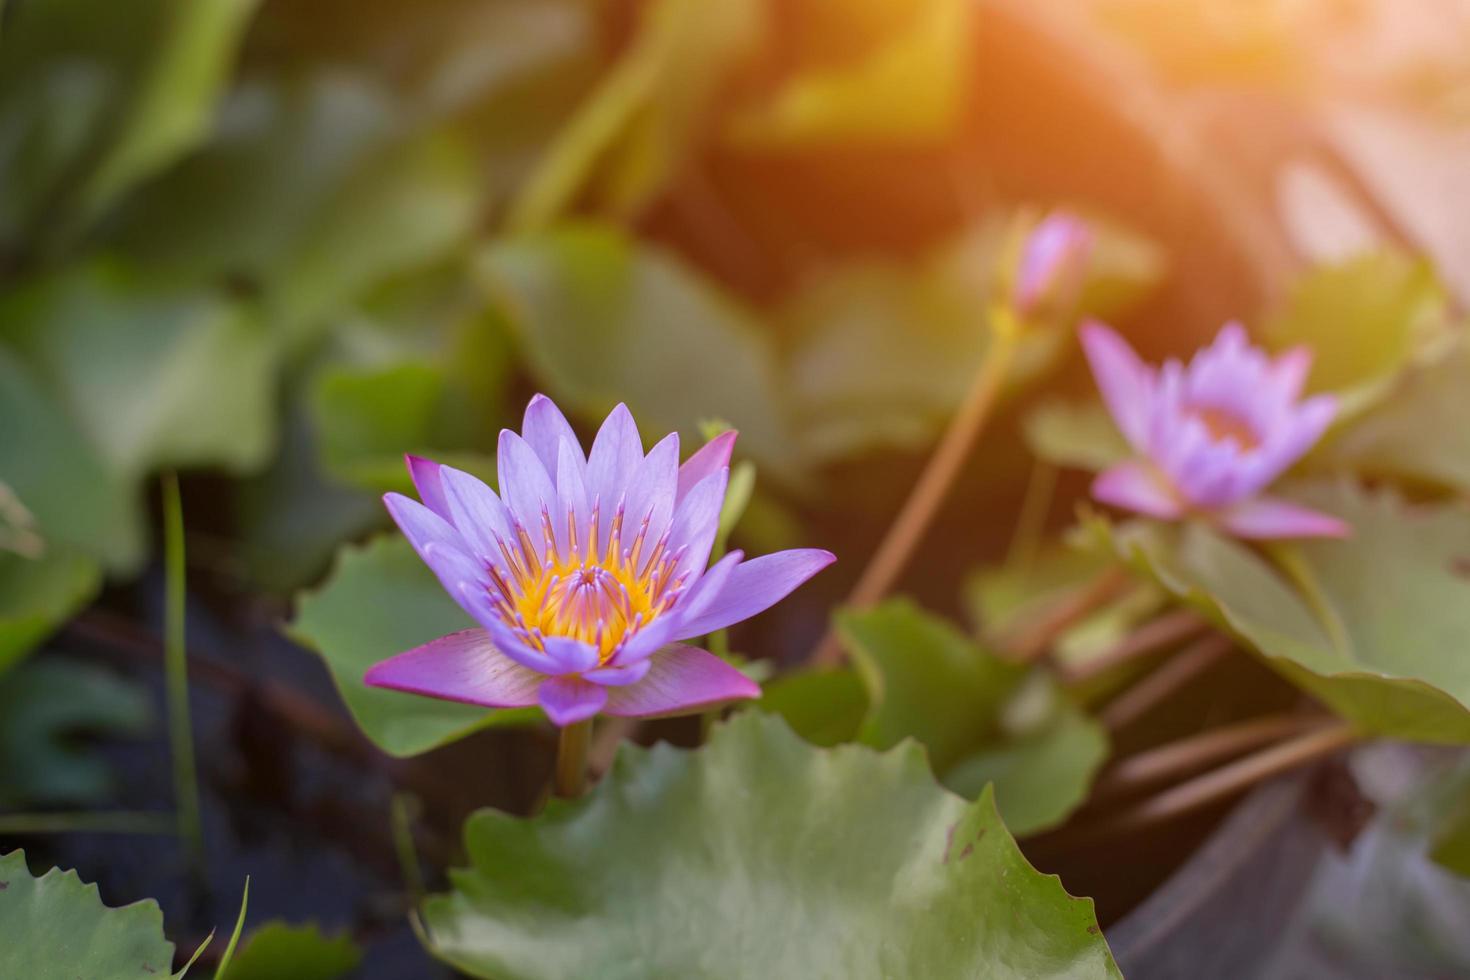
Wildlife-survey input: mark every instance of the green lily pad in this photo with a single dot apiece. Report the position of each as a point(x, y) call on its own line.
point(56, 928)
point(381, 600)
point(94, 98)
point(1364, 319)
point(1040, 775)
point(602, 318)
point(825, 707)
point(1076, 435)
point(1451, 845)
point(37, 595)
point(1373, 625)
point(638, 125)
point(326, 190)
point(925, 680)
point(44, 706)
point(277, 950)
point(874, 72)
point(154, 375)
point(60, 477)
point(982, 719)
point(760, 856)
point(1418, 434)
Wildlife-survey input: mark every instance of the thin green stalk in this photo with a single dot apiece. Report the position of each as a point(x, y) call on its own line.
point(122, 822)
point(571, 759)
point(1031, 522)
point(176, 666)
point(1290, 561)
point(404, 807)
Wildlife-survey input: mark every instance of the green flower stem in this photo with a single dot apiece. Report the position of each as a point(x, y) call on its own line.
point(176, 667)
point(571, 760)
point(907, 530)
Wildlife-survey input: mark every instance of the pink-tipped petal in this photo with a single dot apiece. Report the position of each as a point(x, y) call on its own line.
point(1135, 486)
point(681, 681)
point(754, 586)
point(616, 452)
point(1053, 263)
point(1291, 370)
point(1266, 518)
point(696, 524)
point(710, 458)
point(463, 666)
point(425, 475)
point(1124, 380)
point(568, 700)
point(546, 430)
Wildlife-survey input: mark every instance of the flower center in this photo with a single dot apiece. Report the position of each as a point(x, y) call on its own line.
point(593, 590)
point(1224, 426)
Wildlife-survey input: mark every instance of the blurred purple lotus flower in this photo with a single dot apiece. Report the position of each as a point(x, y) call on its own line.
point(1053, 265)
point(583, 573)
point(1211, 435)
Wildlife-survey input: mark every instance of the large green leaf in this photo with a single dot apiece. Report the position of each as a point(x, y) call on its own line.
point(825, 707)
point(56, 928)
point(925, 680)
point(602, 319)
point(60, 477)
point(1364, 319)
point(1373, 625)
point(760, 856)
point(981, 718)
point(325, 190)
point(44, 707)
point(1419, 433)
point(95, 97)
point(155, 376)
point(1079, 435)
point(379, 601)
point(38, 594)
point(1039, 774)
point(874, 71)
point(277, 950)
point(294, 516)
point(630, 135)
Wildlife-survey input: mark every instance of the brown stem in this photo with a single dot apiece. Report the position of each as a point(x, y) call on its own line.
point(1160, 685)
point(1223, 783)
point(1157, 634)
point(904, 535)
point(1030, 640)
point(1194, 753)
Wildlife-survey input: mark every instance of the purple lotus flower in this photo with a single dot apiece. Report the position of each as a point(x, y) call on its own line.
point(1211, 434)
point(1052, 266)
point(583, 573)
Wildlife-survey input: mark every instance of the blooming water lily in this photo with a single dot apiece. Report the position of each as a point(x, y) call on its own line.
point(1212, 434)
point(583, 573)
